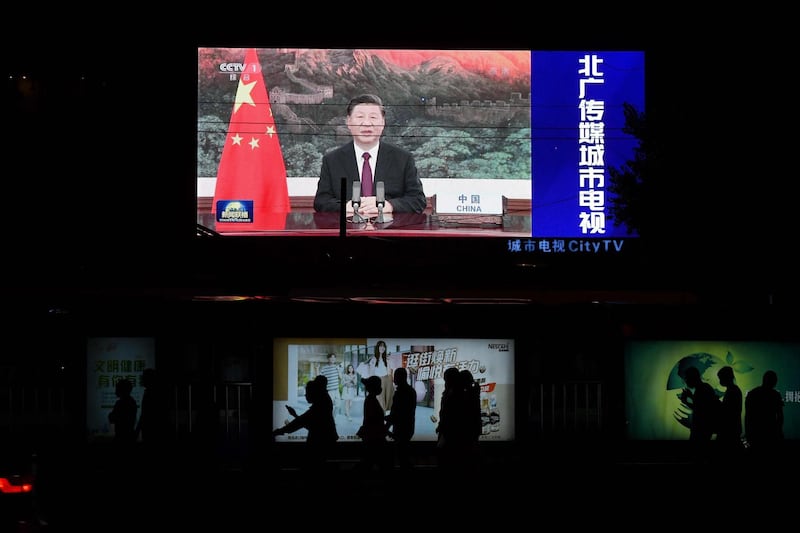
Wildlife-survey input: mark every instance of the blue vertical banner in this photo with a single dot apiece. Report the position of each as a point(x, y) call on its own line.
point(577, 117)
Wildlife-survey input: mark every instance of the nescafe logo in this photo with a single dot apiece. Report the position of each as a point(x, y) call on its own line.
point(499, 347)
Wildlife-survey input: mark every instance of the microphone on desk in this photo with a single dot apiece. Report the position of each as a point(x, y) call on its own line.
point(380, 201)
point(356, 202)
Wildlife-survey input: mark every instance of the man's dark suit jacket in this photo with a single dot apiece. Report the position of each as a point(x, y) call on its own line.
point(396, 169)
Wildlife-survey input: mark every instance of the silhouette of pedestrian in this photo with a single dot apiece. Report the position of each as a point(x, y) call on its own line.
point(123, 415)
point(448, 427)
point(153, 423)
point(373, 429)
point(704, 404)
point(763, 418)
point(319, 422)
point(729, 426)
point(400, 422)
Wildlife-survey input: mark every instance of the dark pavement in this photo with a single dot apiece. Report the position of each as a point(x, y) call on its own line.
point(578, 484)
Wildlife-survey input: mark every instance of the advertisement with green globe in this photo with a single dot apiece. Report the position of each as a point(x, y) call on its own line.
point(655, 372)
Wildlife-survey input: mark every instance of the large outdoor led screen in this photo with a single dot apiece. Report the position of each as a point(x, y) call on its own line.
point(507, 143)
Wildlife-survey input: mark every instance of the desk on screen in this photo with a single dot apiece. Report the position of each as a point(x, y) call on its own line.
point(398, 225)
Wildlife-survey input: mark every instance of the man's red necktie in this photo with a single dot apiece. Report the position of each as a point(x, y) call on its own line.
point(366, 177)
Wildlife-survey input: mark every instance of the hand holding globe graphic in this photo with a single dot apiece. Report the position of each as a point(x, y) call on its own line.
point(706, 364)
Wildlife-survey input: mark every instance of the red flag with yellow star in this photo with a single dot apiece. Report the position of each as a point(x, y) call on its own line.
point(251, 192)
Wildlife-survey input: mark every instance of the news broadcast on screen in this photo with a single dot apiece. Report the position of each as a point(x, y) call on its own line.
point(510, 144)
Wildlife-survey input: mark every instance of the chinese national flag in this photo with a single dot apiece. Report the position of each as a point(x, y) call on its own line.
point(251, 168)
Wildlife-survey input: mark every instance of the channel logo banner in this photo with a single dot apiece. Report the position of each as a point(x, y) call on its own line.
point(238, 211)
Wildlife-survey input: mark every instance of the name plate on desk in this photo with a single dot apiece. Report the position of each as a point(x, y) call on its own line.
point(470, 199)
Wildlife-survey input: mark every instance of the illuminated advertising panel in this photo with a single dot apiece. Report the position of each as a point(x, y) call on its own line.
point(490, 361)
point(654, 380)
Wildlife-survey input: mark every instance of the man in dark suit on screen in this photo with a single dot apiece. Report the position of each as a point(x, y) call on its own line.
point(375, 164)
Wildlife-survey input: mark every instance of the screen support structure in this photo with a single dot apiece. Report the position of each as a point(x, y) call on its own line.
point(343, 209)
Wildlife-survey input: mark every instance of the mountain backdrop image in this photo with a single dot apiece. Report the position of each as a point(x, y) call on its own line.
point(463, 113)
